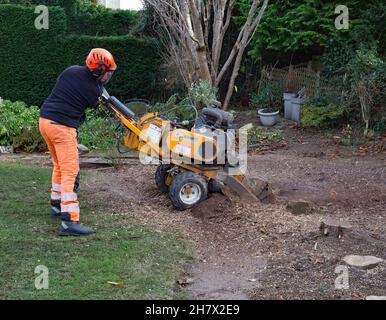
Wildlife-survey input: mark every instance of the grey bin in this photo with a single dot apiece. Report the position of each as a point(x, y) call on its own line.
point(288, 104)
point(297, 108)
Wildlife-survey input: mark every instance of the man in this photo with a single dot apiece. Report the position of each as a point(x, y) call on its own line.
point(76, 89)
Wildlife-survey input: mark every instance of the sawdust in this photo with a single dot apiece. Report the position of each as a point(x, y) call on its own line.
point(248, 250)
point(217, 205)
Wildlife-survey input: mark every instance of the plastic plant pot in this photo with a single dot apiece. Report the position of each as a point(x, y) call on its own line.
point(267, 117)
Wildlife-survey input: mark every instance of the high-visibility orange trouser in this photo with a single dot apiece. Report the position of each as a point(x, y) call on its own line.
point(63, 147)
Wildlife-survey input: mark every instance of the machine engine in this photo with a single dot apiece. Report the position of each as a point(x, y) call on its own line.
point(218, 124)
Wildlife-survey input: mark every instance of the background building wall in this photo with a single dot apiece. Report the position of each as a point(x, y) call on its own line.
point(114, 4)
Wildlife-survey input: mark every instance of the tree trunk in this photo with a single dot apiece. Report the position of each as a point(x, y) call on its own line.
point(200, 46)
point(232, 81)
point(187, 26)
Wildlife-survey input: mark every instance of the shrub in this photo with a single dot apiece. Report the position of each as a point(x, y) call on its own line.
point(318, 115)
point(175, 108)
point(368, 77)
point(29, 140)
point(380, 126)
point(365, 77)
point(359, 57)
point(183, 108)
point(19, 126)
point(97, 132)
point(270, 95)
point(202, 94)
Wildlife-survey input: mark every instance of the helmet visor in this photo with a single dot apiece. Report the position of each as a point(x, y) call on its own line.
point(105, 78)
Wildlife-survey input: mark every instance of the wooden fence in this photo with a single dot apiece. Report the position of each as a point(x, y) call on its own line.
point(297, 77)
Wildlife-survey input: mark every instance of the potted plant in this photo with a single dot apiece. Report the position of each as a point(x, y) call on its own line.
point(268, 116)
point(267, 101)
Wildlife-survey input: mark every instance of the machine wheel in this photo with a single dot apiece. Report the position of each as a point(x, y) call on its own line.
point(214, 186)
point(160, 177)
point(188, 189)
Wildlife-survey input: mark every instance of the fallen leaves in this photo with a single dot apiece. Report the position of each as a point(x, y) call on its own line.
point(363, 150)
point(295, 126)
point(357, 296)
point(264, 148)
point(373, 148)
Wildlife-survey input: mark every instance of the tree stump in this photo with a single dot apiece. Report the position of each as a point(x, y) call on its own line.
point(335, 228)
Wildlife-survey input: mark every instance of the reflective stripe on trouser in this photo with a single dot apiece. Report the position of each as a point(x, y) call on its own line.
point(69, 206)
point(63, 147)
point(55, 194)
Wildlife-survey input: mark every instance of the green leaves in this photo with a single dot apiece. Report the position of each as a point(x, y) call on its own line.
point(270, 96)
point(14, 117)
point(202, 93)
point(320, 116)
point(261, 135)
point(97, 132)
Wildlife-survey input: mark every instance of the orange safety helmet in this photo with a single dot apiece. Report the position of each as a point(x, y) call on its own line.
point(100, 61)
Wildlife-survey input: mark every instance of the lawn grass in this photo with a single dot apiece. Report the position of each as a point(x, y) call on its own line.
point(121, 250)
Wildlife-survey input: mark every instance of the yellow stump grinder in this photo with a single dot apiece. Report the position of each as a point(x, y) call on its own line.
point(193, 160)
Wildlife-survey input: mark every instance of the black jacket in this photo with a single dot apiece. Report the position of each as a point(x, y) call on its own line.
point(76, 89)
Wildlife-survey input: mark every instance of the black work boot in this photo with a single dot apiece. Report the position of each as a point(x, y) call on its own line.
point(55, 209)
point(72, 228)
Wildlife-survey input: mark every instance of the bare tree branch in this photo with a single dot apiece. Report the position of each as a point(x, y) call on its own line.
point(193, 33)
point(250, 29)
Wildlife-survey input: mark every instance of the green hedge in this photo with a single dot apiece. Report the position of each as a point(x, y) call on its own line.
point(137, 61)
point(31, 59)
point(90, 19)
point(87, 18)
